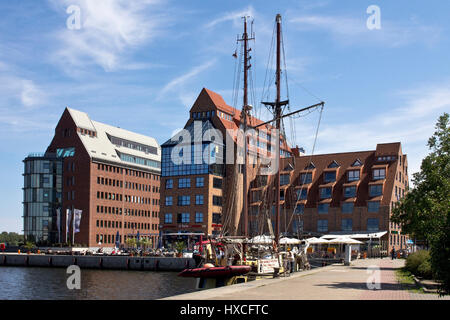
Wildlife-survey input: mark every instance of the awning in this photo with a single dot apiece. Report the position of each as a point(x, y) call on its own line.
point(359, 235)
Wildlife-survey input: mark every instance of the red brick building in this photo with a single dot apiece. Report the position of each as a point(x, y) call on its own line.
point(111, 174)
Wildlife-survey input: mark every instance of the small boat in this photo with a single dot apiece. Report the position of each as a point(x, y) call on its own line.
point(215, 272)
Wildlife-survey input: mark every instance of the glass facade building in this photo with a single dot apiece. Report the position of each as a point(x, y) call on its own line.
point(42, 196)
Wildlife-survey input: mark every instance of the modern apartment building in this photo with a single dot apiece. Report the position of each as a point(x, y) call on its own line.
point(203, 194)
point(111, 174)
point(338, 193)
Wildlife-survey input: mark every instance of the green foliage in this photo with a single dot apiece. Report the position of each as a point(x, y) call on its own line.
point(424, 269)
point(131, 242)
point(29, 245)
point(415, 260)
point(11, 238)
point(180, 246)
point(424, 211)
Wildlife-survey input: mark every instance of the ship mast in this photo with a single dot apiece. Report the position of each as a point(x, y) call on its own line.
point(278, 126)
point(245, 114)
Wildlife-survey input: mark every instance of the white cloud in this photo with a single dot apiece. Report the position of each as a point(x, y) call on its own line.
point(350, 30)
point(110, 30)
point(179, 82)
point(235, 16)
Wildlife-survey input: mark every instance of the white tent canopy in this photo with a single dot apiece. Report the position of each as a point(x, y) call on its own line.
point(314, 240)
point(373, 235)
point(344, 240)
point(261, 240)
point(290, 241)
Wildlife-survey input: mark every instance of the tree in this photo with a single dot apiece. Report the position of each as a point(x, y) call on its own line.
point(131, 242)
point(424, 211)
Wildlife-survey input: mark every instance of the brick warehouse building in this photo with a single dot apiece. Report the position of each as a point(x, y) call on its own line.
point(339, 193)
point(200, 198)
point(111, 174)
point(345, 193)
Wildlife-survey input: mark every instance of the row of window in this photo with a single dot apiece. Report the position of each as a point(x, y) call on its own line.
point(133, 145)
point(111, 238)
point(330, 176)
point(127, 172)
point(126, 225)
point(185, 217)
point(128, 212)
point(346, 207)
point(186, 200)
point(347, 225)
point(128, 185)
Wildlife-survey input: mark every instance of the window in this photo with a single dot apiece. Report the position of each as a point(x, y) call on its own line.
point(198, 217)
point(284, 179)
point(217, 183)
point(217, 218)
point(347, 207)
point(302, 194)
point(322, 225)
point(350, 192)
point(325, 193)
point(323, 207)
point(184, 183)
point(169, 183)
point(184, 200)
point(376, 190)
point(357, 163)
point(334, 164)
point(372, 224)
point(199, 199)
point(379, 174)
point(183, 217)
point(217, 201)
point(169, 201)
point(299, 209)
point(305, 178)
point(310, 166)
point(329, 176)
point(199, 181)
point(346, 224)
point(373, 206)
point(353, 175)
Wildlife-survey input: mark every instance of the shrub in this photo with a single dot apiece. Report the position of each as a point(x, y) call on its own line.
point(424, 270)
point(415, 259)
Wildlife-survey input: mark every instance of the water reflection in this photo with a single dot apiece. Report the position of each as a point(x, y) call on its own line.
point(50, 283)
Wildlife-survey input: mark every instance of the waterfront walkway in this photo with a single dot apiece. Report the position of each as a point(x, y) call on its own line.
point(335, 282)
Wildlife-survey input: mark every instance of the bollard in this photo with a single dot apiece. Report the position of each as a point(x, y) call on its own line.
point(100, 263)
point(50, 261)
point(157, 265)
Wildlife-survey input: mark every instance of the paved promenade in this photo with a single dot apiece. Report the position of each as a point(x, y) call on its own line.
point(336, 282)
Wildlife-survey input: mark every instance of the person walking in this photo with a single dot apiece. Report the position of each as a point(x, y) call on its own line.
point(393, 253)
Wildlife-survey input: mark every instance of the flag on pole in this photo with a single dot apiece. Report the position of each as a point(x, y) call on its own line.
point(68, 218)
point(77, 219)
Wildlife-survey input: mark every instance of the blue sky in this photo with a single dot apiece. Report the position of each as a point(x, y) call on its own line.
point(140, 65)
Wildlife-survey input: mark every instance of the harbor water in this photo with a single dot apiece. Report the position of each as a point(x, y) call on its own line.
point(19, 283)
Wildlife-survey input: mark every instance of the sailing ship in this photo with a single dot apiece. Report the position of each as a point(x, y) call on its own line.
point(244, 258)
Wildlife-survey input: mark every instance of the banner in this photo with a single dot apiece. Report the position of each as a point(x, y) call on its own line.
point(58, 223)
point(77, 219)
point(68, 218)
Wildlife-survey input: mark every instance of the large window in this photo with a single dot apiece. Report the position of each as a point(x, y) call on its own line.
point(217, 183)
point(199, 182)
point(353, 175)
point(329, 176)
point(322, 225)
point(373, 206)
point(133, 145)
point(184, 183)
point(183, 217)
point(217, 201)
point(305, 178)
point(325, 193)
point(169, 183)
point(198, 217)
point(199, 199)
point(323, 207)
point(372, 224)
point(299, 209)
point(168, 218)
point(347, 207)
point(346, 224)
point(379, 174)
point(302, 194)
point(169, 201)
point(350, 192)
point(184, 200)
point(284, 179)
point(376, 190)
point(138, 160)
point(217, 218)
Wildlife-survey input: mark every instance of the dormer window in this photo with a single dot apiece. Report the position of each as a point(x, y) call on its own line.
point(329, 176)
point(379, 174)
point(305, 178)
point(353, 175)
point(325, 193)
point(284, 179)
point(334, 164)
point(357, 163)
